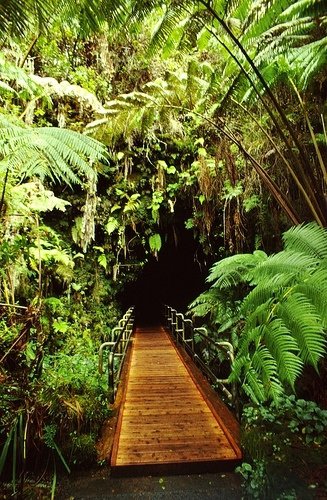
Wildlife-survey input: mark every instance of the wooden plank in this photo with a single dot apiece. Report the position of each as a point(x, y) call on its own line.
point(165, 418)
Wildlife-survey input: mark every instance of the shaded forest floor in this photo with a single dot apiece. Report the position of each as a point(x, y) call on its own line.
point(306, 483)
point(99, 484)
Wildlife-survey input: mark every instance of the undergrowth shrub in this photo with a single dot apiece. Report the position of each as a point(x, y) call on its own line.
point(53, 401)
point(284, 441)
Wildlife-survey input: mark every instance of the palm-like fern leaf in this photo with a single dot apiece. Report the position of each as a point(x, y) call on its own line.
point(235, 269)
point(284, 316)
point(308, 239)
point(253, 386)
point(302, 319)
point(286, 262)
point(17, 16)
point(284, 349)
point(300, 8)
point(58, 153)
point(266, 290)
point(315, 289)
point(206, 303)
point(265, 367)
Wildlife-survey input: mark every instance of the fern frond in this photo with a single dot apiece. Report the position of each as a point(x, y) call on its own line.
point(267, 289)
point(287, 262)
point(256, 316)
point(260, 17)
point(284, 349)
point(310, 60)
point(250, 341)
point(239, 369)
point(17, 17)
point(280, 38)
point(215, 304)
point(205, 303)
point(265, 367)
point(315, 289)
point(235, 269)
point(300, 8)
point(168, 23)
point(284, 317)
point(310, 239)
point(301, 318)
point(253, 386)
point(61, 154)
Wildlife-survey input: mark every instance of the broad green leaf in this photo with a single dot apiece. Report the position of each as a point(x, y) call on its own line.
point(115, 208)
point(155, 242)
point(60, 326)
point(111, 225)
point(102, 260)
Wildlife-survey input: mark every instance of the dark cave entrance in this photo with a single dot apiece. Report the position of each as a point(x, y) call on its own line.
point(175, 278)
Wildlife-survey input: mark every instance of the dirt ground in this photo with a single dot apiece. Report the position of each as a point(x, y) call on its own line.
point(99, 484)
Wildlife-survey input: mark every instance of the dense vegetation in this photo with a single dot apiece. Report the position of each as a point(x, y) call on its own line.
point(115, 116)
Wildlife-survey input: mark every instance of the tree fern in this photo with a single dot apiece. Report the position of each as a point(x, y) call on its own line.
point(314, 288)
point(283, 318)
point(284, 349)
point(267, 289)
point(308, 239)
point(19, 17)
point(16, 16)
point(285, 262)
point(302, 319)
point(265, 366)
point(217, 307)
point(243, 29)
point(235, 269)
point(60, 154)
point(206, 303)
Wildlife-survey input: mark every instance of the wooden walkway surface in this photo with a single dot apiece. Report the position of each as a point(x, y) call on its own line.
point(165, 421)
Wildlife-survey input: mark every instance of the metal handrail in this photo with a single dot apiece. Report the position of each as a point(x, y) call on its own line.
point(120, 338)
point(185, 334)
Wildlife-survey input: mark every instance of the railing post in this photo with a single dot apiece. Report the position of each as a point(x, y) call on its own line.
point(174, 322)
point(120, 336)
point(188, 327)
point(111, 376)
point(183, 330)
point(180, 327)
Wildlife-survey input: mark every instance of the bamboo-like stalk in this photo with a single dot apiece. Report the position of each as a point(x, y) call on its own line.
point(287, 163)
point(302, 161)
point(274, 189)
point(313, 137)
point(3, 304)
point(29, 50)
point(12, 346)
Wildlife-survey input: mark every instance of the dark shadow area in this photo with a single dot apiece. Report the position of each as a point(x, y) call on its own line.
point(175, 278)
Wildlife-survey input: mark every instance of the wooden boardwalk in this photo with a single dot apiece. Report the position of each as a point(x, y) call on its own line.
point(165, 424)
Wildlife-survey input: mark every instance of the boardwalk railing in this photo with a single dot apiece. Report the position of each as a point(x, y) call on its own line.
point(117, 346)
point(205, 351)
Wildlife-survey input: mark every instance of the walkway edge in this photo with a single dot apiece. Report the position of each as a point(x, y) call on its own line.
point(221, 412)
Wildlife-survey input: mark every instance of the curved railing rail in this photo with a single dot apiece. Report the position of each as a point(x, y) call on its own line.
point(117, 346)
point(190, 337)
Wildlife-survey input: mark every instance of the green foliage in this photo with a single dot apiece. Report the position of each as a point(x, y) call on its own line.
point(47, 152)
point(155, 242)
point(304, 418)
point(54, 388)
point(235, 270)
point(166, 122)
point(255, 479)
point(17, 17)
point(270, 434)
point(283, 313)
